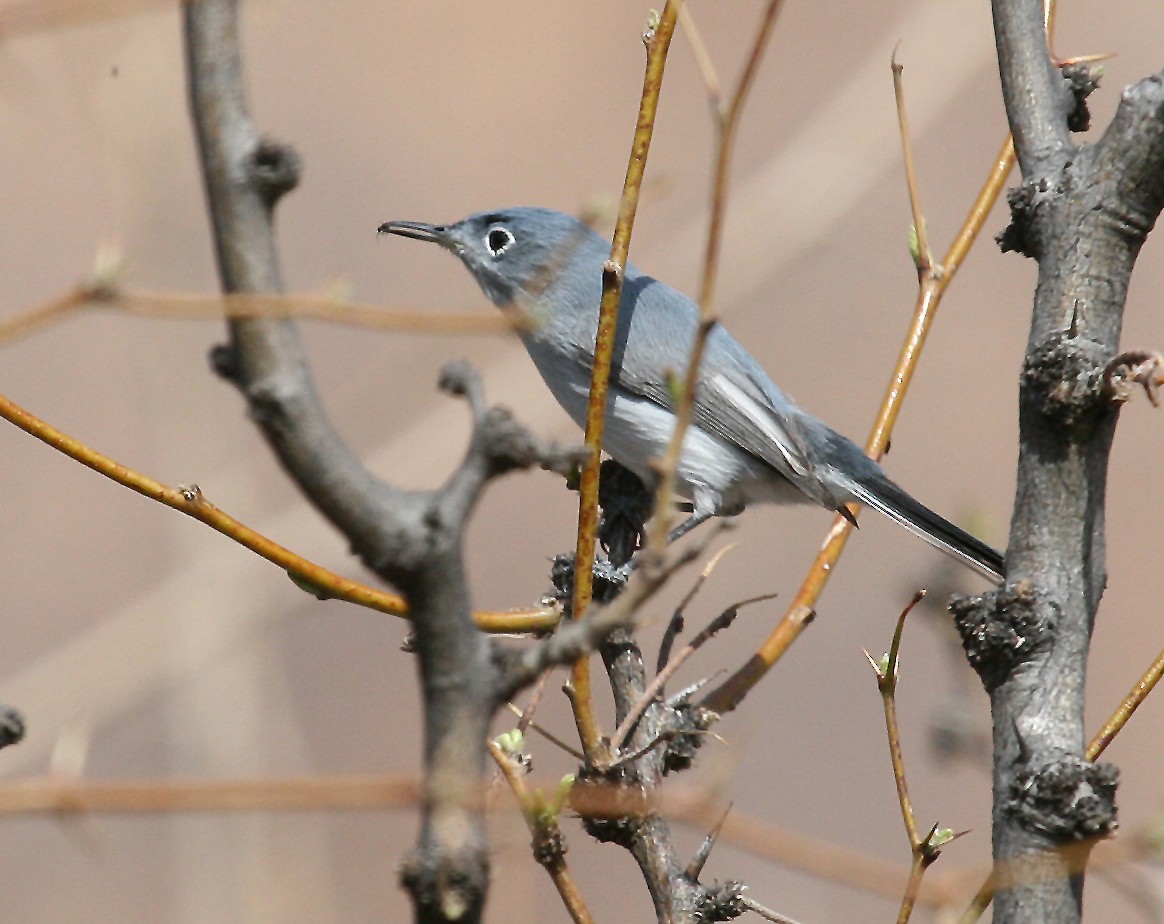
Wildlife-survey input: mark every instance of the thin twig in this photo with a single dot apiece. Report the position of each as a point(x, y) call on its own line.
point(702, 61)
point(190, 500)
point(545, 831)
point(800, 611)
point(34, 319)
point(912, 887)
point(1131, 703)
point(924, 259)
point(548, 735)
point(726, 124)
point(767, 913)
point(658, 42)
point(621, 760)
point(54, 794)
point(256, 305)
point(721, 622)
point(526, 717)
point(887, 674)
point(675, 626)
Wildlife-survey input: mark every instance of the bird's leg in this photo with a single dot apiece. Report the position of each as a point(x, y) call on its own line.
point(622, 574)
point(696, 518)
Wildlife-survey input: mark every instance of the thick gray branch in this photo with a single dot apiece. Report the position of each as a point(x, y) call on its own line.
point(1083, 214)
point(412, 539)
point(245, 175)
point(1038, 99)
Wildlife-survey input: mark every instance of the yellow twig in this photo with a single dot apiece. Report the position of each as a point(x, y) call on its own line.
point(257, 305)
point(58, 795)
point(1131, 703)
point(310, 576)
point(800, 612)
point(658, 41)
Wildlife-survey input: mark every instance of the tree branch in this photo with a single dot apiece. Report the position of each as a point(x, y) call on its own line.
point(1083, 214)
point(1038, 99)
point(412, 539)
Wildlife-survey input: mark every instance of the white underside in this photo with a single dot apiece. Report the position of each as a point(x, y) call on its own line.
point(717, 476)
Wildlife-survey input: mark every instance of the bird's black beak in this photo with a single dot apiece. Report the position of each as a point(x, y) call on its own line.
point(417, 230)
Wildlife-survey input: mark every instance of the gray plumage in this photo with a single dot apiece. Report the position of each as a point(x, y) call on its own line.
point(748, 442)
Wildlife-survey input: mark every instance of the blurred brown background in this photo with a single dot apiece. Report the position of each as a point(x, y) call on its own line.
point(157, 648)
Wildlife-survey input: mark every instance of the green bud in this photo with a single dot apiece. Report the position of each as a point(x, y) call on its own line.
point(940, 837)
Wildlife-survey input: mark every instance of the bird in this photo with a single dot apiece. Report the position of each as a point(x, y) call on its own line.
point(748, 442)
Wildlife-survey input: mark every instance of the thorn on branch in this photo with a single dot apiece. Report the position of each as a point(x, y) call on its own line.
point(695, 867)
point(1131, 368)
point(674, 628)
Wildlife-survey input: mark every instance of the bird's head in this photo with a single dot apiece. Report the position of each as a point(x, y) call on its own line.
point(514, 254)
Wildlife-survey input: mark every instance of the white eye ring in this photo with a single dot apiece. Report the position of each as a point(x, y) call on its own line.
point(498, 240)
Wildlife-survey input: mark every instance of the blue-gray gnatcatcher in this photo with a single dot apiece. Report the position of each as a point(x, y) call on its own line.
point(748, 442)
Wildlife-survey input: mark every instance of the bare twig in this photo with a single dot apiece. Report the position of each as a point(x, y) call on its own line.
point(766, 913)
point(727, 121)
point(721, 622)
point(55, 794)
point(658, 42)
point(548, 843)
point(548, 735)
point(190, 500)
point(675, 626)
point(1131, 703)
point(887, 673)
point(800, 611)
point(912, 887)
point(702, 61)
point(255, 305)
point(924, 259)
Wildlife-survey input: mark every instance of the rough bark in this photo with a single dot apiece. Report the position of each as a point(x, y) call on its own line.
point(1082, 212)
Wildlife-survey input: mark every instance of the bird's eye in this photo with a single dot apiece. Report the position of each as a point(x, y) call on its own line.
point(498, 240)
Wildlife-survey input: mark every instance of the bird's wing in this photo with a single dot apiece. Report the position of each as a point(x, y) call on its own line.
point(734, 400)
point(733, 406)
point(739, 413)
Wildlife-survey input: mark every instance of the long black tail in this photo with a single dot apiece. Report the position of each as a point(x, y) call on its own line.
point(882, 494)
